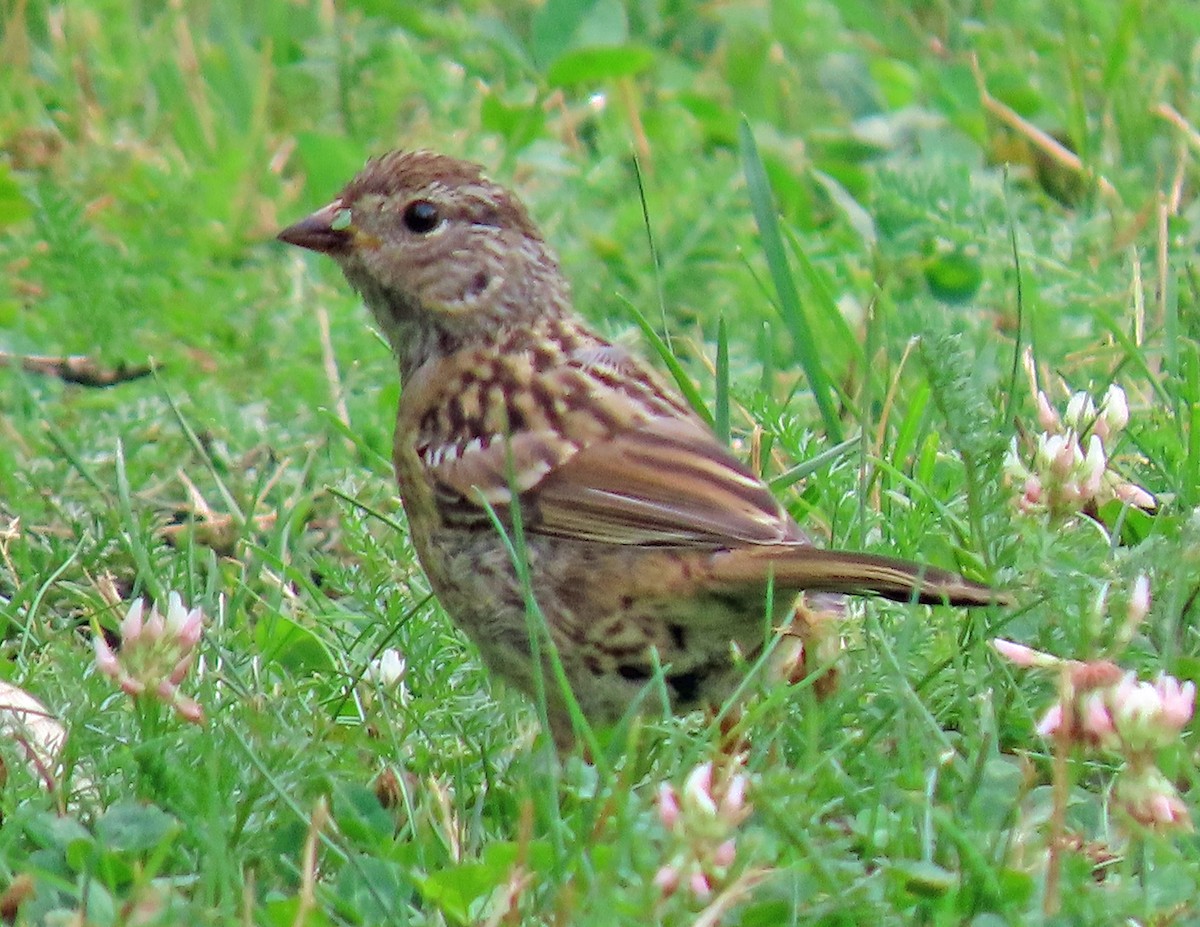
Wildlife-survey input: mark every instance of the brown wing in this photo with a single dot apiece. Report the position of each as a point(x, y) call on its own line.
point(666, 483)
point(467, 477)
point(634, 467)
point(670, 483)
point(595, 448)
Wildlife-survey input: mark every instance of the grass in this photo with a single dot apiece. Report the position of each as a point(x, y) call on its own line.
point(919, 241)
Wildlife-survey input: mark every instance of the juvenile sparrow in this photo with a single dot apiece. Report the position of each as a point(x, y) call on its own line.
point(648, 542)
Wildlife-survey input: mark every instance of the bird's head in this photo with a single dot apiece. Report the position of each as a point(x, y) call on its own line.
point(436, 250)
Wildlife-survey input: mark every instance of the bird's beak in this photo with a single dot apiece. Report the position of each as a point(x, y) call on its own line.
point(328, 230)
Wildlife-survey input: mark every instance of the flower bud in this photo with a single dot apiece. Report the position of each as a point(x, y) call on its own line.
point(1148, 797)
point(697, 789)
point(154, 627)
point(106, 660)
point(1096, 721)
point(667, 880)
point(1052, 722)
point(131, 686)
point(188, 633)
point(1023, 656)
point(1135, 496)
point(1046, 415)
point(189, 709)
point(733, 802)
point(1080, 412)
point(668, 805)
point(388, 668)
point(1139, 601)
point(1095, 464)
point(180, 670)
point(1014, 467)
point(131, 625)
point(700, 885)
point(1114, 408)
point(1069, 455)
point(724, 854)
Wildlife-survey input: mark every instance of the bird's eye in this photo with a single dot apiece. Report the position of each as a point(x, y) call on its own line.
point(421, 217)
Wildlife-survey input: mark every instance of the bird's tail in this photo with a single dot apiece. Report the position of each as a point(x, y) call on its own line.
point(801, 567)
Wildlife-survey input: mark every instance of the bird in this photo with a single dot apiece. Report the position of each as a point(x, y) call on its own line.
point(538, 461)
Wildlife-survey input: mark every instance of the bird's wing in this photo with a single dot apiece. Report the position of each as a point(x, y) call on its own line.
point(641, 472)
point(668, 482)
point(592, 447)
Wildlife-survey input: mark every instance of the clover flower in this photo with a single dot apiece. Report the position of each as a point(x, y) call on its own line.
point(1066, 468)
point(388, 669)
point(155, 655)
point(1148, 797)
point(385, 677)
point(702, 819)
point(1103, 708)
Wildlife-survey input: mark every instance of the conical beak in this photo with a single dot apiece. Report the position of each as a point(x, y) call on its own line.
point(327, 230)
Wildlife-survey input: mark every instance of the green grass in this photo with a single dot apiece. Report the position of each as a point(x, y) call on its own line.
point(917, 244)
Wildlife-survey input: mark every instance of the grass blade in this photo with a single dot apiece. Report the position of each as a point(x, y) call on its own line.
point(721, 421)
point(803, 346)
point(678, 374)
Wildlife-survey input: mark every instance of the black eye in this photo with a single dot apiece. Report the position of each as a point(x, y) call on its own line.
point(421, 217)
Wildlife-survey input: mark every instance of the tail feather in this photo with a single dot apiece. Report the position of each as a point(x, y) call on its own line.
point(814, 569)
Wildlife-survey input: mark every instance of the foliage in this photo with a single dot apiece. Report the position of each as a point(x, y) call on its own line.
point(849, 191)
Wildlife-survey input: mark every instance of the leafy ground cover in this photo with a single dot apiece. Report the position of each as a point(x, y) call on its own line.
point(861, 230)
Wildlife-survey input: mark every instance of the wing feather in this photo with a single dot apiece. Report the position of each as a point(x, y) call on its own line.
point(667, 483)
point(598, 451)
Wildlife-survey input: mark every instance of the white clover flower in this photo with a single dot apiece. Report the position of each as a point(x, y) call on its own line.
point(388, 668)
point(156, 654)
point(1102, 707)
point(701, 819)
point(1055, 474)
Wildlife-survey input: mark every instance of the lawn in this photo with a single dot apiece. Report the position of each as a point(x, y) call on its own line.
point(863, 235)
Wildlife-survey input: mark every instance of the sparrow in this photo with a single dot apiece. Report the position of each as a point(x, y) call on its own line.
point(536, 460)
